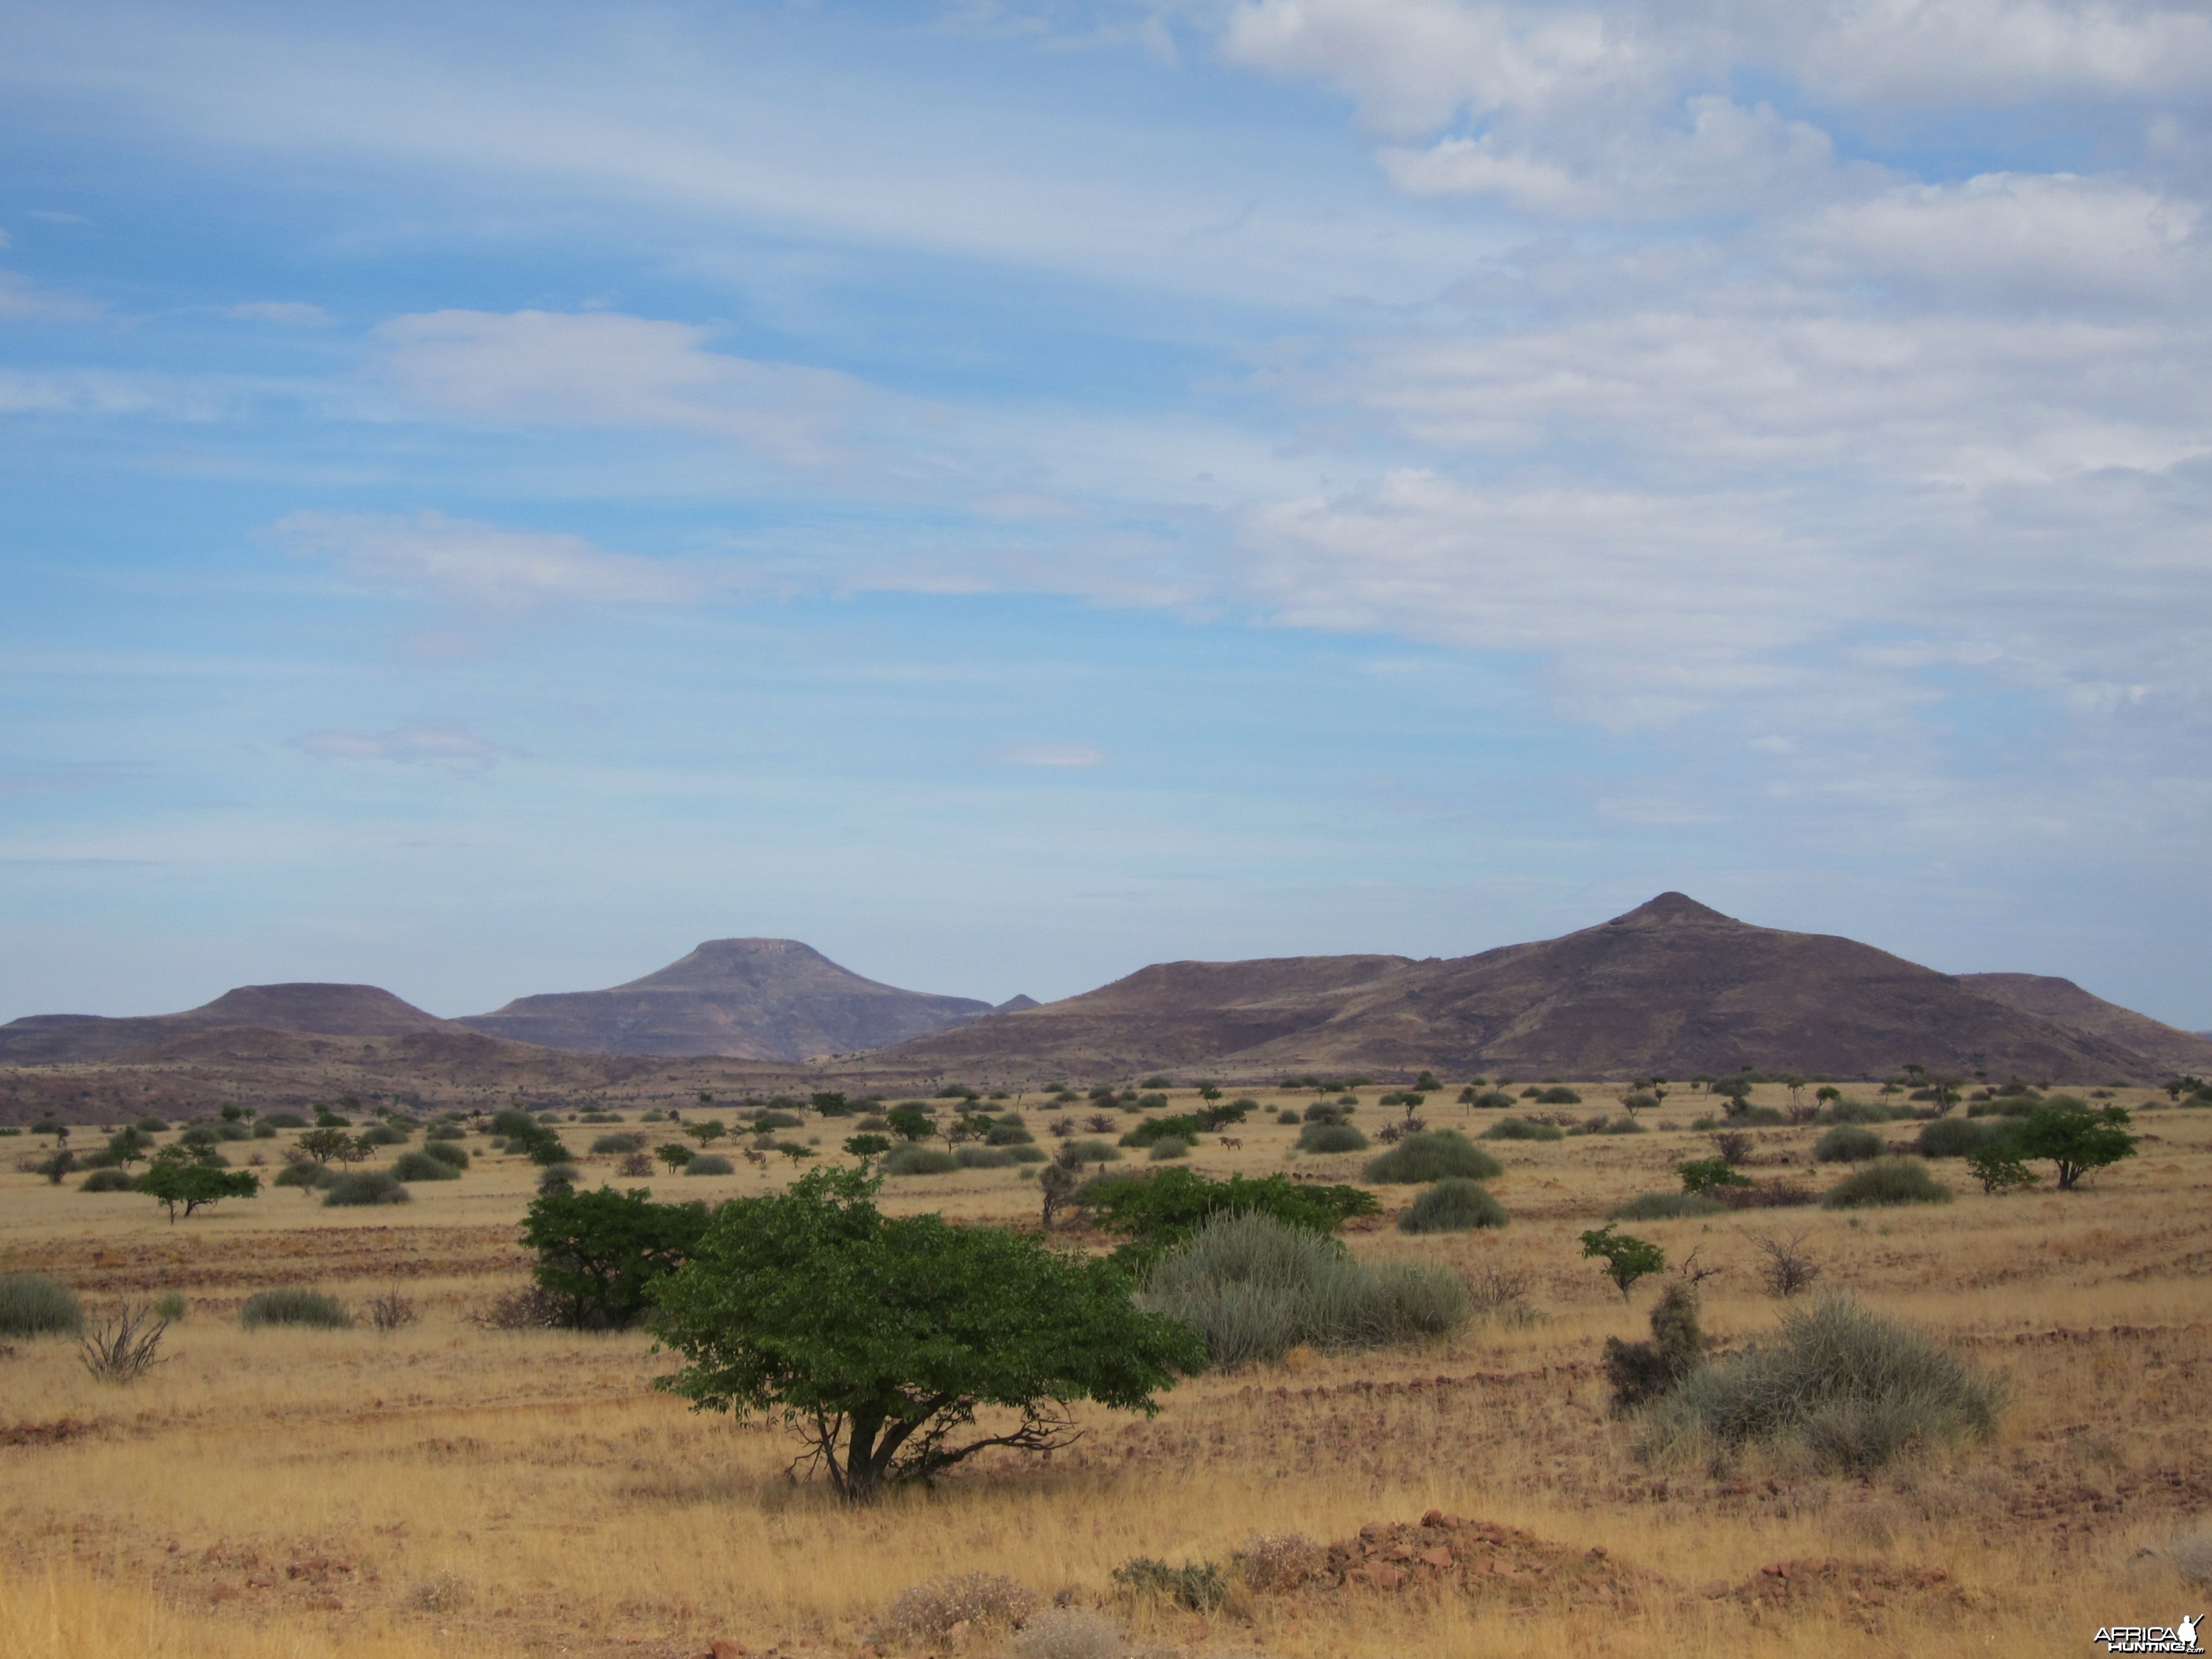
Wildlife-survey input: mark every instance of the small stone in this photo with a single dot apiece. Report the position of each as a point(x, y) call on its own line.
point(1386, 1578)
point(1398, 1553)
point(1437, 1558)
point(1434, 1519)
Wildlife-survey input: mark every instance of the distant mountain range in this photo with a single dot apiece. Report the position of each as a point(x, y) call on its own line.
point(753, 998)
point(1671, 988)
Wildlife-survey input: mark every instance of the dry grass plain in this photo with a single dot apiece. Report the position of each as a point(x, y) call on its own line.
point(452, 1489)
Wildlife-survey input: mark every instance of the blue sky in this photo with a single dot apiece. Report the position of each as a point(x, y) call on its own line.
point(1008, 492)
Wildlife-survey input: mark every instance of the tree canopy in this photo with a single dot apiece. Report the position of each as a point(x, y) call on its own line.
point(598, 1252)
point(879, 1339)
point(177, 1178)
point(1161, 1209)
point(2075, 1136)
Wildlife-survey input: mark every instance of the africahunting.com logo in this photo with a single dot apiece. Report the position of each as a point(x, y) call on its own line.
point(2151, 1638)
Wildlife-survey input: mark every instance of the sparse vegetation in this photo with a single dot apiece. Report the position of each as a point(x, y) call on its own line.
point(37, 1305)
point(291, 1305)
point(123, 1348)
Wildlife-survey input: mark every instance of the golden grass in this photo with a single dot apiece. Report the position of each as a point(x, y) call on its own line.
point(289, 1491)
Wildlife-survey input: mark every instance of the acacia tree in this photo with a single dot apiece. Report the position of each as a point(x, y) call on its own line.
point(879, 1339)
point(2074, 1137)
point(177, 1178)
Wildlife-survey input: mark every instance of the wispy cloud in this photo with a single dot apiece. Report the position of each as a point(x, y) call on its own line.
point(445, 748)
point(285, 313)
point(1056, 757)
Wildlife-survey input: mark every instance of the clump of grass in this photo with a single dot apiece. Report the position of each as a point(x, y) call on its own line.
point(1665, 1206)
point(292, 1305)
point(37, 1305)
point(421, 1166)
point(1197, 1585)
point(1893, 1181)
point(1069, 1633)
point(367, 1187)
point(915, 1159)
point(1519, 1128)
point(1841, 1388)
point(1275, 1562)
point(1326, 1135)
point(2192, 1556)
point(1254, 1289)
point(1847, 1143)
point(1169, 1147)
point(927, 1610)
point(441, 1592)
point(1453, 1206)
point(1433, 1154)
point(617, 1145)
point(169, 1305)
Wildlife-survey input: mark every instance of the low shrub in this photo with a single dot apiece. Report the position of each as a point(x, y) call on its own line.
point(1069, 1633)
point(1199, 1586)
point(1854, 1111)
point(710, 1164)
point(1453, 1206)
point(1489, 1100)
point(446, 1153)
point(37, 1305)
point(1275, 1563)
point(1433, 1154)
point(1327, 1135)
point(1842, 1389)
point(109, 1180)
point(1170, 1146)
point(557, 1178)
point(1847, 1143)
point(1955, 1137)
point(617, 1145)
point(384, 1134)
point(778, 1120)
point(421, 1166)
point(1026, 1154)
point(309, 1174)
point(1519, 1128)
point(1641, 1372)
point(284, 1121)
point(293, 1305)
point(913, 1159)
point(1288, 1117)
point(1893, 1181)
point(367, 1187)
point(1667, 1206)
point(169, 1305)
point(1617, 1125)
point(1557, 1096)
point(988, 1157)
point(928, 1611)
point(1254, 1288)
point(1762, 1195)
point(1008, 1134)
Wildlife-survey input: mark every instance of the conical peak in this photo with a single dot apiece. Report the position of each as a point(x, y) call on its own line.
point(1670, 910)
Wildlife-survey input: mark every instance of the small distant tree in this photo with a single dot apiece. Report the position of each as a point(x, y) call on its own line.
point(1701, 1176)
point(1736, 1091)
point(796, 1152)
point(175, 1178)
point(2076, 1136)
point(128, 1146)
point(330, 1145)
point(706, 1097)
point(1996, 1164)
point(864, 1147)
point(707, 1130)
point(1056, 1184)
point(831, 1103)
point(59, 1167)
point(877, 1340)
point(1625, 1259)
point(910, 1123)
point(675, 1154)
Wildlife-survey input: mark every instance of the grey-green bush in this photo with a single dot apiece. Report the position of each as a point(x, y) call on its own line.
point(367, 1187)
point(421, 1166)
point(1026, 1154)
point(1841, 1388)
point(616, 1145)
point(301, 1175)
point(1847, 1143)
point(385, 1134)
point(1956, 1137)
point(1254, 1289)
point(1324, 1136)
point(108, 1180)
point(913, 1159)
point(1519, 1128)
point(1169, 1147)
point(1433, 1154)
point(1453, 1206)
point(984, 1157)
point(1665, 1206)
point(710, 1164)
point(454, 1157)
point(1894, 1180)
point(37, 1305)
point(292, 1305)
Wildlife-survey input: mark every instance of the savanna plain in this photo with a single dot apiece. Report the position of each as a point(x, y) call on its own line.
point(453, 1488)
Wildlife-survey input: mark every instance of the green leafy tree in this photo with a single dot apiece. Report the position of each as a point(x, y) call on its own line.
point(707, 1132)
point(910, 1123)
point(176, 1178)
point(1627, 1259)
point(1998, 1166)
point(1209, 1091)
point(598, 1252)
point(877, 1338)
point(675, 1155)
point(1702, 1175)
point(1157, 1210)
point(864, 1147)
point(330, 1145)
point(128, 1146)
point(2075, 1136)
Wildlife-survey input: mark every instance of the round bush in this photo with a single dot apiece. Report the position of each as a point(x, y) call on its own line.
point(1091, 1151)
point(1557, 1095)
point(777, 1120)
point(913, 1159)
point(710, 1164)
point(385, 1134)
point(1519, 1128)
point(421, 1166)
point(1287, 1116)
point(1026, 1154)
point(1453, 1206)
point(1895, 1180)
point(368, 1187)
point(292, 1305)
point(1326, 1135)
point(37, 1305)
point(1955, 1137)
point(445, 1132)
point(1009, 1134)
point(1667, 1206)
point(455, 1157)
point(109, 1180)
point(983, 1158)
point(1169, 1147)
point(1847, 1143)
point(301, 1174)
point(153, 1126)
point(559, 1179)
point(1433, 1154)
point(285, 1121)
point(617, 1145)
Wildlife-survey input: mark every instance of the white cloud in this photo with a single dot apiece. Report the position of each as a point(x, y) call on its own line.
point(445, 748)
point(285, 313)
point(484, 566)
point(22, 301)
point(1060, 756)
point(535, 368)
